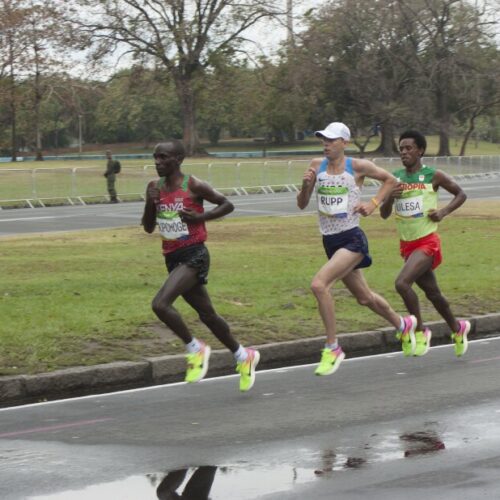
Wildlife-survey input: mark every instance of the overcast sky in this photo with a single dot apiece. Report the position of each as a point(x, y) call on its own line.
point(266, 37)
point(269, 34)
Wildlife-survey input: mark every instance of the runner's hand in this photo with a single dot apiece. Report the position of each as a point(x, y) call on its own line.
point(309, 177)
point(364, 209)
point(397, 191)
point(435, 215)
point(152, 192)
point(190, 215)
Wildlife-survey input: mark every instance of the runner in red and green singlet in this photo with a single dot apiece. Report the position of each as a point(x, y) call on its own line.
point(414, 200)
point(174, 203)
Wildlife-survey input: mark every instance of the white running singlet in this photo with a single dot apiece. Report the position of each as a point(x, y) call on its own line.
point(337, 195)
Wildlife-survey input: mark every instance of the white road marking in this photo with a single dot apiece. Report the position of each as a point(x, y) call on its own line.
point(215, 379)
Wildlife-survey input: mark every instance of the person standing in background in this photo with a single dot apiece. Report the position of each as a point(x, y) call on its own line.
point(113, 167)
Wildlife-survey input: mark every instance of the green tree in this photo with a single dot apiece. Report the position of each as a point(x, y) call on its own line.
point(351, 45)
point(231, 99)
point(446, 36)
point(12, 49)
point(138, 105)
point(180, 35)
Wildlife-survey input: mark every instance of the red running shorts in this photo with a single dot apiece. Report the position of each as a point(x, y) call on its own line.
point(430, 245)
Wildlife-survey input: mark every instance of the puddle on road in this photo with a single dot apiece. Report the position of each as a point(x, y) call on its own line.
point(196, 483)
point(253, 481)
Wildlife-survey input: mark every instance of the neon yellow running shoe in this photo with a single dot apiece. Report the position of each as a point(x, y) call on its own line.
point(197, 364)
point(330, 361)
point(460, 338)
point(246, 369)
point(423, 342)
point(407, 335)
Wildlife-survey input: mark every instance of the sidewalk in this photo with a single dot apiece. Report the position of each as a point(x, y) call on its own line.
point(78, 381)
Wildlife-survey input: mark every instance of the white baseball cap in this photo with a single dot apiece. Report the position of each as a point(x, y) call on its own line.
point(334, 131)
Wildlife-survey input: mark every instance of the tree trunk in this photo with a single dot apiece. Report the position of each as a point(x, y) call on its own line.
point(444, 123)
point(38, 102)
point(387, 145)
point(187, 99)
point(363, 145)
point(13, 131)
point(13, 108)
point(444, 141)
point(467, 135)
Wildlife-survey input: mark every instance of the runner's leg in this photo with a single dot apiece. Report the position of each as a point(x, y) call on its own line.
point(427, 283)
point(179, 282)
point(339, 266)
point(417, 264)
point(247, 359)
point(198, 298)
point(356, 283)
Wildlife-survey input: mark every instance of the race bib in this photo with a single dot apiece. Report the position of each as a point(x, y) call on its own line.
point(411, 206)
point(333, 200)
point(171, 226)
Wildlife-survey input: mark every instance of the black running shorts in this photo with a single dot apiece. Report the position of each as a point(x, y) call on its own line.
point(195, 256)
point(353, 239)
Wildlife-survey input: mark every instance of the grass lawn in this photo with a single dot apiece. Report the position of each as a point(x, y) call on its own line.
point(84, 298)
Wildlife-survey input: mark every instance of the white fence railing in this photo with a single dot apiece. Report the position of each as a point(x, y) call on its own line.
point(81, 185)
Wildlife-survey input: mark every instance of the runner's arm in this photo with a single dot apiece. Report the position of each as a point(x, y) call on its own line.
point(447, 183)
point(149, 216)
point(366, 168)
point(308, 181)
point(205, 191)
point(386, 207)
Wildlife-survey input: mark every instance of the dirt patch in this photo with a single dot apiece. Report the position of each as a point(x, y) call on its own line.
point(156, 332)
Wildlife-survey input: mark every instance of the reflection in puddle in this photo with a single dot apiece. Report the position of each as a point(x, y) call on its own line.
point(255, 481)
point(197, 487)
point(332, 462)
point(250, 483)
point(420, 443)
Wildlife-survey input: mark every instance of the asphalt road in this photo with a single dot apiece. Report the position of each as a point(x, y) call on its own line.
point(69, 218)
point(382, 427)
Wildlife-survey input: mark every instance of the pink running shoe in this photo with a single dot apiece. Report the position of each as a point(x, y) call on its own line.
point(460, 338)
point(423, 340)
point(246, 369)
point(407, 335)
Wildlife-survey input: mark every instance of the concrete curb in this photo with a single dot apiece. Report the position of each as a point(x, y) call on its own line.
point(23, 389)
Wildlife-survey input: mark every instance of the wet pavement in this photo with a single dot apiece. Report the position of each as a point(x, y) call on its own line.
point(382, 427)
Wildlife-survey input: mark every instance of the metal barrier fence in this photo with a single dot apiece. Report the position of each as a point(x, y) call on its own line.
point(81, 185)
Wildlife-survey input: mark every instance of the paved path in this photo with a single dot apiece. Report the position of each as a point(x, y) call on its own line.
point(382, 427)
point(129, 214)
